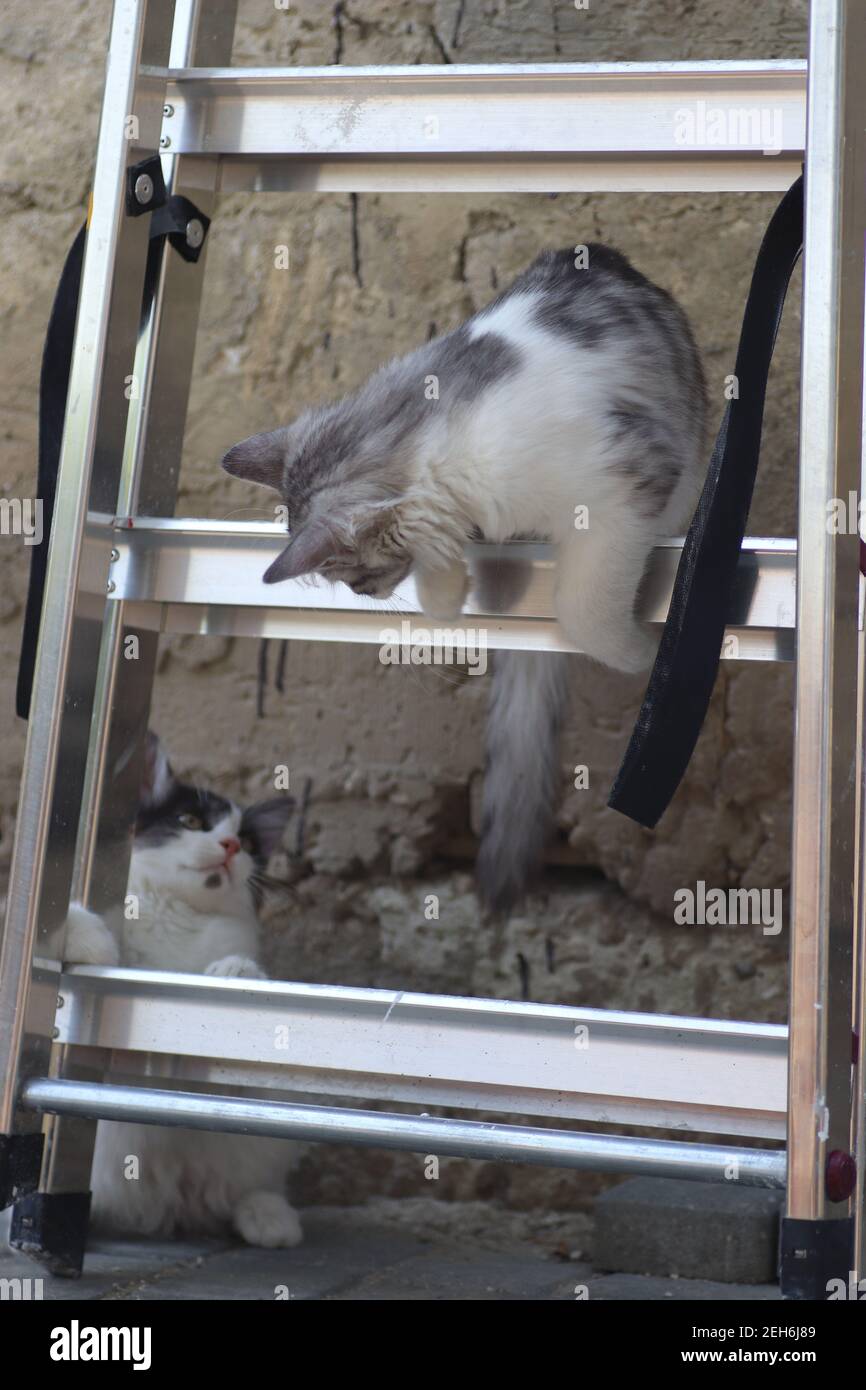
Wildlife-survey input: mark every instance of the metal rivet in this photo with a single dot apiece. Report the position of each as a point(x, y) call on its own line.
point(60, 1001)
point(168, 109)
point(194, 233)
point(143, 189)
point(115, 555)
point(55, 1032)
point(164, 142)
point(111, 586)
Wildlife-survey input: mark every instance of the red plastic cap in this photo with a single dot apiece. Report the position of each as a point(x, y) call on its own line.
point(841, 1176)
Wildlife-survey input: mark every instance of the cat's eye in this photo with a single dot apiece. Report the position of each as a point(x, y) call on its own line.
point(190, 822)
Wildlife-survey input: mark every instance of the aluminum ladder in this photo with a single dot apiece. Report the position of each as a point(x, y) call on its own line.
point(77, 1045)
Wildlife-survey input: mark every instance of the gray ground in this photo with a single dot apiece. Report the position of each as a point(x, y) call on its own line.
point(411, 1249)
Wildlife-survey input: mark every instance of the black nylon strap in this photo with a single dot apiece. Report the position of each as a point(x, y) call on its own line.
point(682, 679)
point(169, 220)
point(53, 386)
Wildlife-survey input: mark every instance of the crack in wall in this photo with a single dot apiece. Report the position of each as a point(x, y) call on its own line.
point(440, 46)
point(356, 241)
point(339, 35)
point(458, 24)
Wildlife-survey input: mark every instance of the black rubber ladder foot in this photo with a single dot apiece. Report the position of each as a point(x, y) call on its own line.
point(51, 1228)
point(20, 1166)
point(816, 1258)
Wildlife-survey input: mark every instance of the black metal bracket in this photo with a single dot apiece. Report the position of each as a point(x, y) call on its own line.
point(145, 186)
point(184, 225)
point(814, 1255)
point(51, 1227)
point(20, 1165)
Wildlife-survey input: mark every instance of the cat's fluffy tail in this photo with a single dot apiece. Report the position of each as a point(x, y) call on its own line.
point(523, 780)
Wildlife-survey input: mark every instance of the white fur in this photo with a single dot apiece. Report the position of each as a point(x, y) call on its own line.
point(519, 461)
point(592, 440)
point(187, 1180)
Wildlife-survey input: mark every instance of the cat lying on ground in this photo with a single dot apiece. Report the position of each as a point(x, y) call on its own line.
point(572, 409)
point(196, 870)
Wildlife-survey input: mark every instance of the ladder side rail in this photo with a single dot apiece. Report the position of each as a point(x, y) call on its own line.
point(858, 1125)
point(126, 662)
point(824, 841)
point(108, 319)
point(149, 477)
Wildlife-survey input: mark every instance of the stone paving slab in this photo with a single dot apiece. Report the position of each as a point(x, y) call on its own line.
point(443, 1274)
point(110, 1265)
point(330, 1260)
point(395, 1253)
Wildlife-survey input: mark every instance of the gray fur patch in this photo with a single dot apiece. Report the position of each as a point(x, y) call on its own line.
point(364, 439)
point(608, 301)
point(467, 366)
point(644, 455)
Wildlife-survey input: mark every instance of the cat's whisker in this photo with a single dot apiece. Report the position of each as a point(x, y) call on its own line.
point(256, 513)
point(261, 884)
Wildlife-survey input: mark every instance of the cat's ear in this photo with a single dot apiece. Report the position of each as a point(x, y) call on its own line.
point(157, 778)
point(306, 552)
point(265, 823)
point(259, 459)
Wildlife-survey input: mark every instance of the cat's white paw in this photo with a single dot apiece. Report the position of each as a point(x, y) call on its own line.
point(639, 653)
point(88, 940)
point(442, 592)
point(630, 651)
point(236, 967)
point(266, 1219)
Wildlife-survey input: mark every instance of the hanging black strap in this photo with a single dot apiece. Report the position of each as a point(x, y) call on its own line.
point(53, 385)
point(682, 679)
point(186, 228)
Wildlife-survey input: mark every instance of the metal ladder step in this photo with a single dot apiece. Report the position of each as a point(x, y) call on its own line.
point(594, 127)
point(180, 575)
point(696, 1075)
point(419, 1134)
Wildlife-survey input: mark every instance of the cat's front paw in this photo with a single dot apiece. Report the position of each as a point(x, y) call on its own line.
point(639, 652)
point(442, 592)
point(630, 651)
point(265, 1219)
point(236, 967)
point(88, 940)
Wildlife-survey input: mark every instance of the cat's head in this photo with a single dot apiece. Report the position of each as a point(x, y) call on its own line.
point(341, 481)
point(198, 847)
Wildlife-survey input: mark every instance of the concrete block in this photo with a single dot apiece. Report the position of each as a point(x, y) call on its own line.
point(693, 1230)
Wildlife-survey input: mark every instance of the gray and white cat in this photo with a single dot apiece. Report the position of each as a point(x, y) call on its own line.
point(579, 387)
point(196, 871)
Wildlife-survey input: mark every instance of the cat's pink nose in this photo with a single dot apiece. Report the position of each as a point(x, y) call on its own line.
point(231, 844)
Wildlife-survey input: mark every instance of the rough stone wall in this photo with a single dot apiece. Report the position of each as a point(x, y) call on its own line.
point(394, 753)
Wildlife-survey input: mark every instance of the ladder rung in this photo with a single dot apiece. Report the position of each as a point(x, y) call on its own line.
point(703, 1075)
point(207, 578)
point(418, 1134)
point(583, 127)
